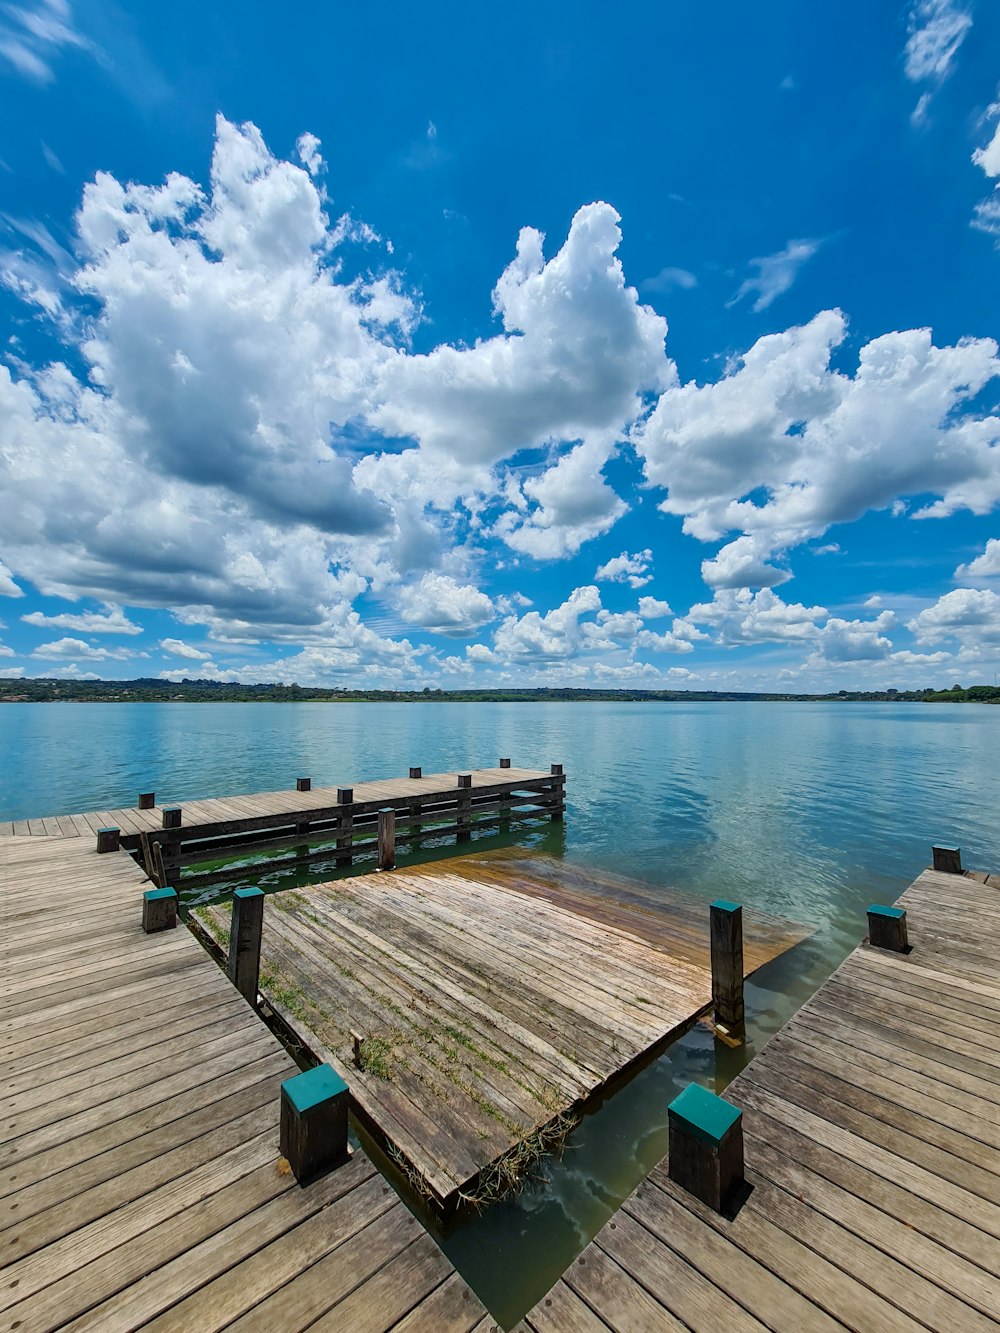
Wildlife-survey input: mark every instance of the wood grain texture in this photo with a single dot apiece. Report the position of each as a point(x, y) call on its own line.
point(872, 1126)
point(495, 1006)
point(140, 1177)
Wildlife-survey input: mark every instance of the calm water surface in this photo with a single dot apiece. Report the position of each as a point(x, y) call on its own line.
point(810, 811)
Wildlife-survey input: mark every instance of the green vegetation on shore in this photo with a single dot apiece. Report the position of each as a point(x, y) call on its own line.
point(210, 691)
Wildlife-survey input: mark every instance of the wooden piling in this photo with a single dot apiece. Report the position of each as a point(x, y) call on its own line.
point(313, 1134)
point(386, 839)
point(147, 800)
point(244, 942)
point(172, 816)
point(108, 839)
point(948, 859)
point(464, 807)
point(303, 784)
point(345, 826)
point(887, 928)
point(705, 1146)
point(505, 763)
point(416, 772)
point(557, 799)
point(159, 910)
point(726, 930)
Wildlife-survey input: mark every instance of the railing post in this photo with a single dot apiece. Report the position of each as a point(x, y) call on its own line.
point(244, 942)
point(726, 930)
point(386, 839)
point(887, 928)
point(416, 772)
point(345, 826)
point(464, 806)
point(147, 800)
point(171, 817)
point(948, 859)
point(108, 839)
point(313, 1134)
point(303, 784)
point(159, 910)
point(705, 1146)
point(505, 763)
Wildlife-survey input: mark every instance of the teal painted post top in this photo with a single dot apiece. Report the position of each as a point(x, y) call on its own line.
point(894, 913)
point(724, 905)
point(705, 1116)
point(248, 893)
point(315, 1086)
point(158, 895)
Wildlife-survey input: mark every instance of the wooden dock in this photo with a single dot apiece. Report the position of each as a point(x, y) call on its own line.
point(872, 1134)
point(140, 1179)
point(317, 822)
point(490, 998)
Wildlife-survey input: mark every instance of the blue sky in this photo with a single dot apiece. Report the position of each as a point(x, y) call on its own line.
point(457, 345)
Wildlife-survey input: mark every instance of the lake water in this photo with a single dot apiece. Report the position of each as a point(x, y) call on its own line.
point(808, 811)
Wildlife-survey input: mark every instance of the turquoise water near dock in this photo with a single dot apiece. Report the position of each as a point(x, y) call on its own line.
point(807, 811)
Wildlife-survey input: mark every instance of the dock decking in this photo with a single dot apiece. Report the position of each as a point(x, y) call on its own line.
point(488, 1006)
point(872, 1132)
point(140, 1179)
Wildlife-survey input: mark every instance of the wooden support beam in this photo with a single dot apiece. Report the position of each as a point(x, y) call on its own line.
point(108, 839)
point(147, 800)
point(558, 788)
point(303, 784)
point(313, 1134)
point(887, 928)
point(345, 830)
point(159, 910)
point(172, 816)
point(416, 772)
point(726, 930)
point(705, 1146)
point(244, 942)
point(386, 839)
point(948, 859)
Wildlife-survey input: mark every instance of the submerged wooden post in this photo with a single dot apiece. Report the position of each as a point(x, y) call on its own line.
point(171, 817)
point(464, 806)
point(726, 929)
point(887, 928)
point(244, 942)
point(108, 839)
point(345, 826)
point(313, 1135)
point(386, 839)
point(416, 772)
point(705, 1145)
point(147, 800)
point(303, 784)
point(159, 910)
point(948, 859)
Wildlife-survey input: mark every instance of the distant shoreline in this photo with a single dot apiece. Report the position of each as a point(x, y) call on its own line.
point(40, 690)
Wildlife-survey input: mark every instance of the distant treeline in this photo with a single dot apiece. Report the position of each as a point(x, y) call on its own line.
point(211, 691)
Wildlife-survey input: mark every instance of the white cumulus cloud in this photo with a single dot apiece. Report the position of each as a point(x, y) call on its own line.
point(112, 620)
point(625, 568)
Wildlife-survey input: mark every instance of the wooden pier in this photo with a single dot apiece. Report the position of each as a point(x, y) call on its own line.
point(140, 1178)
point(328, 822)
point(872, 1146)
point(472, 1004)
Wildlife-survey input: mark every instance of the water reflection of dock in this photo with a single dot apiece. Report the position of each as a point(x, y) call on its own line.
point(871, 1126)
